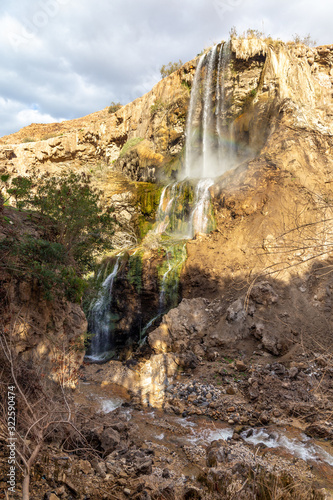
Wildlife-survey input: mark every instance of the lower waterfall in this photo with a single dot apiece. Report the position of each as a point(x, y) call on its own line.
point(100, 318)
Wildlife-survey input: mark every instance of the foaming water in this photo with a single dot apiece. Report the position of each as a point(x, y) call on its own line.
point(304, 449)
point(185, 205)
point(207, 436)
point(109, 405)
point(100, 319)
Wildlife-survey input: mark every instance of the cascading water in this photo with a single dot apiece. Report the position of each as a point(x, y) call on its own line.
point(185, 205)
point(191, 149)
point(100, 318)
point(184, 209)
point(200, 216)
point(172, 210)
point(207, 137)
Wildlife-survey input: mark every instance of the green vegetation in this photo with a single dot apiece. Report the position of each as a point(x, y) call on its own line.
point(20, 189)
point(148, 198)
point(69, 204)
point(51, 135)
point(134, 274)
point(131, 143)
point(28, 139)
point(169, 68)
point(114, 106)
point(186, 86)
point(73, 227)
point(169, 273)
point(158, 106)
point(45, 262)
point(248, 99)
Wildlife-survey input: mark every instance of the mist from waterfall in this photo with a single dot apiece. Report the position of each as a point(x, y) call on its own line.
point(209, 151)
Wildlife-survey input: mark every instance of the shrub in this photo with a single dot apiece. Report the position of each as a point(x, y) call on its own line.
point(306, 40)
point(45, 262)
point(28, 139)
point(70, 208)
point(129, 145)
point(51, 135)
point(167, 69)
point(20, 188)
point(233, 32)
point(158, 106)
point(114, 106)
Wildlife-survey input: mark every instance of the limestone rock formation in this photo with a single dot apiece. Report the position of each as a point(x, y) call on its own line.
point(273, 211)
point(158, 116)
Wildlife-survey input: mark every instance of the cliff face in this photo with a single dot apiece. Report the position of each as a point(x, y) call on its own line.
point(158, 116)
point(258, 74)
point(272, 211)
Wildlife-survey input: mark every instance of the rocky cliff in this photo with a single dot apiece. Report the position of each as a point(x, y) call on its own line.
point(45, 332)
point(266, 267)
point(250, 344)
point(272, 211)
point(158, 116)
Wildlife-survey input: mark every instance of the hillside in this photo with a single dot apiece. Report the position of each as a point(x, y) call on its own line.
point(213, 313)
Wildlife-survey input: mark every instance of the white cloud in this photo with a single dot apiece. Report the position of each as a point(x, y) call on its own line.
point(27, 116)
point(73, 57)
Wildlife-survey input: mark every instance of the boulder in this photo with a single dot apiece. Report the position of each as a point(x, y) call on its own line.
point(110, 439)
point(236, 311)
point(319, 430)
point(160, 339)
point(264, 294)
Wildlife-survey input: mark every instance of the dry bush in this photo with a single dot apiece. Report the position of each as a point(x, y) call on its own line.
point(44, 410)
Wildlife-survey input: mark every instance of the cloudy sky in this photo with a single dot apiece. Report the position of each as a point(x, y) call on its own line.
point(62, 59)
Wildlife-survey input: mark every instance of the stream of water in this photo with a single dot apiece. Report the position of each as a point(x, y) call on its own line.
point(100, 318)
point(203, 433)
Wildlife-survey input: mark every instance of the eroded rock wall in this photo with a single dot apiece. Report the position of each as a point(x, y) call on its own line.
point(158, 116)
point(47, 332)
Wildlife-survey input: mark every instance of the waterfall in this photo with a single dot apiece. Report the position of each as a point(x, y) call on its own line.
point(184, 207)
point(100, 317)
point(208, 150)
point(207, 139)
point(199, 222)
point(173, 208)
point(192, 130)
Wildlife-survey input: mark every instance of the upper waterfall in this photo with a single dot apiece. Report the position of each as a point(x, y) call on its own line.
point(185, 207)
point(209, 148)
